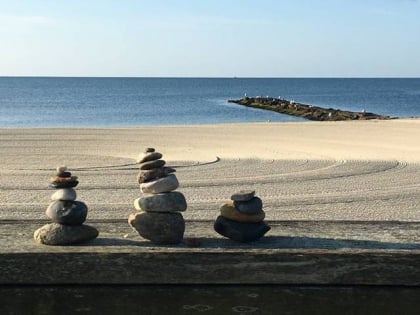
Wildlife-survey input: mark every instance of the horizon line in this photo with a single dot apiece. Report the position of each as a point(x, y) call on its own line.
point(211, 77)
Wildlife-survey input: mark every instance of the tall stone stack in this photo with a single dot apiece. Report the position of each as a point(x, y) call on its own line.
point(67, 214)
point(242, 218)
point(159, 219)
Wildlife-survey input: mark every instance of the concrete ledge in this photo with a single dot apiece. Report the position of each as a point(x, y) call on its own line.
point(294, 252)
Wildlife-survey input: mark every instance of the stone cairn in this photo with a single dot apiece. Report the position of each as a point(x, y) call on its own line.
point(242, 218)
point(159, 219)
point(66, 213)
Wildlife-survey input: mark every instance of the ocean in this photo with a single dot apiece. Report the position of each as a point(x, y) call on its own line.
point(113, 102)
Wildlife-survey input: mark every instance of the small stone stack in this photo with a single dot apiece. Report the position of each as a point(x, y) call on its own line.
point(67, 214)
point(159, 219)
point(242, 218)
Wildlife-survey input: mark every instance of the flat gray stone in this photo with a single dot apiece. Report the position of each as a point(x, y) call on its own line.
point(148, 175)
point(59, 234)
point(64, 194)
point(253, 206)
point(152, 164)
point(164, 202)
point(159, 228)
point(239, 231)
point(243, 195)
point(149, 156)
point(67, 212)
point(160, 185)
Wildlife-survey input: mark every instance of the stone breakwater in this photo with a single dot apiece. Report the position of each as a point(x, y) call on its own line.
point(66, 213)
point(158, 218)
point(305, 111)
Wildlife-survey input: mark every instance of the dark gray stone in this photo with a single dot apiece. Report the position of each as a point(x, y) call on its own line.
point(64, 184)
point(159, 228)
point(165, 202)
point(150, 175)
point(59, 234)
point(64, 174)
point(239, 231)
point(149, 156)
point(147, 150)
point(252, 206)
point(152, 164)
point(67, 212)
point(243, 195)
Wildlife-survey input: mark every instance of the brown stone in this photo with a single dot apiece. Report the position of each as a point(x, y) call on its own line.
point(229, 211)
point(148, 175)
point(58, 179)
point(149, 156)
point(152, 164)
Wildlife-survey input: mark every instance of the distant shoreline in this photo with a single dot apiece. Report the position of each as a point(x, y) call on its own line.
point(292, 108)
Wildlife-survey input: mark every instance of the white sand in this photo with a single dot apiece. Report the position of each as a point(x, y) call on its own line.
point(357, 170)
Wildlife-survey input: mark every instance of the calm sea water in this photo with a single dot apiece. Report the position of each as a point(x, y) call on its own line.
point(55, 102)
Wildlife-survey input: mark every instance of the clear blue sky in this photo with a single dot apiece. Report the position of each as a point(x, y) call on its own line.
point(211, 38)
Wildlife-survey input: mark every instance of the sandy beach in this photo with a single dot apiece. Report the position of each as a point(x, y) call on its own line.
point(354, 170)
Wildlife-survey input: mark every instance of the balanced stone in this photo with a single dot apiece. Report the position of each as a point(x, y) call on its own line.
point(252, 206)
point(61, 169)
point(59, 234)
point(166, 202)
point(152, 164)
point(64, 184)
point(59, 179)
point(160, 228)
point(164, 184)
point(64, 194)
point(230, 212)
point(67, 212)
point(148, 175)
point(63, 174)
point(149, 150)
point(243, 195)
point(239, 231)
point(149, 156)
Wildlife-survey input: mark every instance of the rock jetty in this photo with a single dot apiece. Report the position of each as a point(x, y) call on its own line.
point(242, 218)
point(159, 219)
point(66, 213)
point(305, 111)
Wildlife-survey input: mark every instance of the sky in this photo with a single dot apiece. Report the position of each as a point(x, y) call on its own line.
point(210, 38)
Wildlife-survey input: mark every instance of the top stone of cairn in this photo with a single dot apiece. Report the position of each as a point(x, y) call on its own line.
point(148, 154)
point(243, 195)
